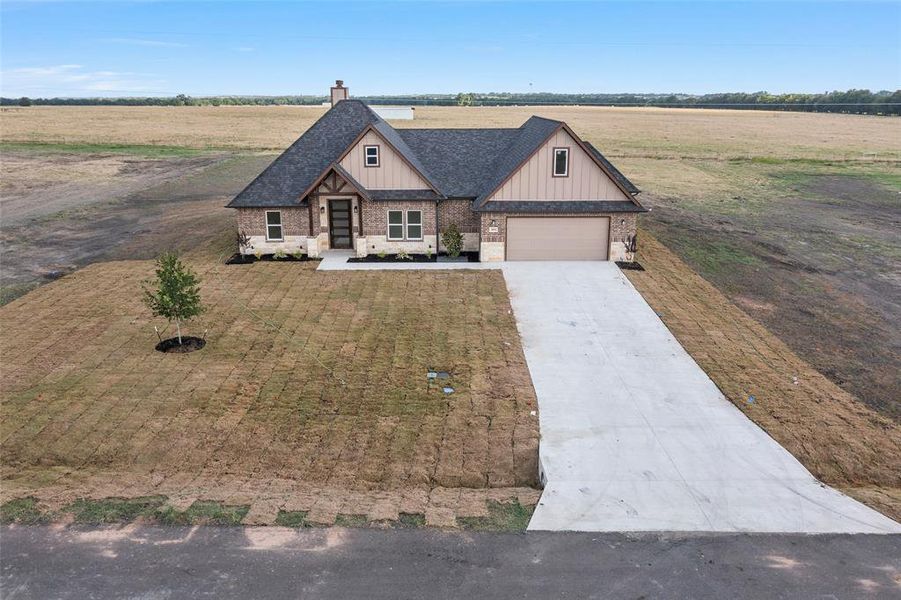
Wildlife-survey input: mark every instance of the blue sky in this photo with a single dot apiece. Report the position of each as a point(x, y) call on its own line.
point(165, 48)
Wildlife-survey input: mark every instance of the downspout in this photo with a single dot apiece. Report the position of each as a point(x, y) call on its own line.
point(437, 233)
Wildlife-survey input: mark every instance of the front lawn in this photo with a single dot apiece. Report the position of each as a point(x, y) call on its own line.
point(318, 379)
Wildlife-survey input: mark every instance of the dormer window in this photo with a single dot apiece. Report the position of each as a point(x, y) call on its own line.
point(371, 156)
point(561, 162)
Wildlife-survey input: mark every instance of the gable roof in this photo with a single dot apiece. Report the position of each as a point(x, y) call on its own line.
point(531, 136)
point(310, 158)
point(456, 163)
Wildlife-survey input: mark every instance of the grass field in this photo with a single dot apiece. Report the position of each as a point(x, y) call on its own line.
point(795, 220)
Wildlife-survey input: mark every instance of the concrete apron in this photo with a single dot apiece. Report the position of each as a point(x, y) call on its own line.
point(635, 436)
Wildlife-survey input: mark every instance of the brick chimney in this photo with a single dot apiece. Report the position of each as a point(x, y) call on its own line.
point(339, 92)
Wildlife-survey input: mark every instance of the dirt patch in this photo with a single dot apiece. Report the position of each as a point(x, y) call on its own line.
point(37, 185)
point(307, 378)
point(112, 220)
point(817, 263)
point(840, 440)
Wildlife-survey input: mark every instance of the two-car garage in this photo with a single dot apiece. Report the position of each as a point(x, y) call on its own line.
point(558, 238)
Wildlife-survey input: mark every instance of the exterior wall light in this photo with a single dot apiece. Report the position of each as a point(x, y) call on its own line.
point(322, 209)
point(493, 223)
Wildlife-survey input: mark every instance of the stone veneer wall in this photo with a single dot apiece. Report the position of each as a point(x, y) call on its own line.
point(622, 228)
point(295, 228)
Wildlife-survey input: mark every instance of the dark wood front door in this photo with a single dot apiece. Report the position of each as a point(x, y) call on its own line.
point(339, 224)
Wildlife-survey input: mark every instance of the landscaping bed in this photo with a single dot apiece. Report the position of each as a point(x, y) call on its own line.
point(417, 258)
point(247, 259)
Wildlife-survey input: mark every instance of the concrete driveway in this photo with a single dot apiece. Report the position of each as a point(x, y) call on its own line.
point(635, 436)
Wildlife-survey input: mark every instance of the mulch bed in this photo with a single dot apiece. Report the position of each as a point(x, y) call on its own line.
point(416, 258)
point(629, 266)
point(188, 344)
point(246, 259)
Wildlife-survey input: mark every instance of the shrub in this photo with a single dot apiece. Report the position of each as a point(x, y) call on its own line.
point(279, 254)
point(452, 240)
point(381, 254)
point(403, 255)
point(428, 253)
point(175, 294)
point(243, 241)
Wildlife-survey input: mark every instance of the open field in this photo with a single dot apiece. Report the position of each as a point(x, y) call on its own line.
point(309, 381)
point(795, 216)
point(636, 132)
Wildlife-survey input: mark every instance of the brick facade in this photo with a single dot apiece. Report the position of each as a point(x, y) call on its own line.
point(458, 212)
point(295, 221)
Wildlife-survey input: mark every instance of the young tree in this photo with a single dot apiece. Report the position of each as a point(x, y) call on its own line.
point(176, 292)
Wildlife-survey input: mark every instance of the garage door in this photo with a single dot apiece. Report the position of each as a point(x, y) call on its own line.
point(557, 238)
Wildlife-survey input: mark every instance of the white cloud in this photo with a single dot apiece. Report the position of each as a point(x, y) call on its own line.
point(143, 42)
point(75, 80)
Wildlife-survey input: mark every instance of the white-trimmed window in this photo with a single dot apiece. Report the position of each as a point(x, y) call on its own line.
point(561, 162)
point(395, 224)
point(274, 232)
point(414, 224)
point(371, 156)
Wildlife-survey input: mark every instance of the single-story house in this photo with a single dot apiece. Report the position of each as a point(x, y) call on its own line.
point(352, 181)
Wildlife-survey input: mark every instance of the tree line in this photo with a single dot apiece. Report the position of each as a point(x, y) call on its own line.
point(851, 101)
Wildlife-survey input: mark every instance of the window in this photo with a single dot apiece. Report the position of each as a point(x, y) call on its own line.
point(395, 224)
point(561, 162)
point(400, 228)
point(274, 226)
point(371, 154)
point(414, 224)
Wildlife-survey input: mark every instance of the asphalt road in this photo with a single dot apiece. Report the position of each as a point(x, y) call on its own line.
point(207, 562)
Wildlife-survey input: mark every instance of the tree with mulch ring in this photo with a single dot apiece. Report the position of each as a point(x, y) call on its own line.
point(175, 295)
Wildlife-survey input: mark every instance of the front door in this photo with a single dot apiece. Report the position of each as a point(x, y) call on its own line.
point(339, 224)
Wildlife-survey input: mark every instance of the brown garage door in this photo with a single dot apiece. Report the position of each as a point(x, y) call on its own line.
point(557, 238)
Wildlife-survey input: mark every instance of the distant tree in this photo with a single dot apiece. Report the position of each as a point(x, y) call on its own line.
point(24, 101)
point(175, 294)
point(464, 99)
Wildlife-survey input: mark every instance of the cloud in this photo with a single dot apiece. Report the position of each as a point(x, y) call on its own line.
point(143, 42)
point(76, 80)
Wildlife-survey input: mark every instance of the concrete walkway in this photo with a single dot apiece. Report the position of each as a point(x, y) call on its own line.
point(336, 260)
point(636, 437)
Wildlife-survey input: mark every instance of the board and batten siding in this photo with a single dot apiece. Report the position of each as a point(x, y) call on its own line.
point(393, 173)
point(536, 181)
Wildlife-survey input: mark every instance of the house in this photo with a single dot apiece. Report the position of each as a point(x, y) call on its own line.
point(352, 181)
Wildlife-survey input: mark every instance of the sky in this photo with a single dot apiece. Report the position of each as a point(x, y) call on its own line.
point(146, 48)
